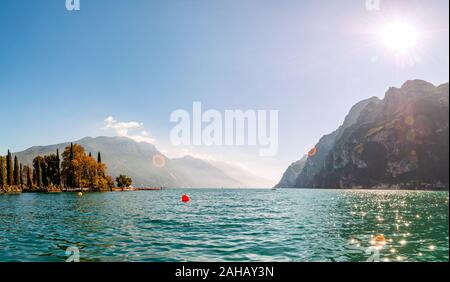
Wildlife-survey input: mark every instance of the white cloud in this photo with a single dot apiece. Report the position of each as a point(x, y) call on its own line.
point(122, 129)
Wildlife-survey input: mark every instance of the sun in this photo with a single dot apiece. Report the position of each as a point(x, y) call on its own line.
point(400, 37)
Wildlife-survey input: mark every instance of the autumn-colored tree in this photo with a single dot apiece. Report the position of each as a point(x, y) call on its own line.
point(106, 183)
point(70, 153)
point(81, 170)
point(109, 182)
point(77, 169)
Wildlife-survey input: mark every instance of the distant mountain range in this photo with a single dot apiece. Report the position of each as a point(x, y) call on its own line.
point(401, 141)
point(136, 160)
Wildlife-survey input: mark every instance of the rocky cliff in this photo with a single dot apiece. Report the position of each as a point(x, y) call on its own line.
point(291, 174)
point(401, 141)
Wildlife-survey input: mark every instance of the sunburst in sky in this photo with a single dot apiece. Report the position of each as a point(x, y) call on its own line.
point(402, 40)
point(400, 37)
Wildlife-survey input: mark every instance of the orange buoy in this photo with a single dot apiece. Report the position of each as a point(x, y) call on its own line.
point(185, 198)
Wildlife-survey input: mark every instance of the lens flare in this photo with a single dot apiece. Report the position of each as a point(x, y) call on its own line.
point(159, 161)
point(312, 152)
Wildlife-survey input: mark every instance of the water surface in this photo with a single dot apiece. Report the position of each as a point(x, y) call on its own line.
point(226, 225)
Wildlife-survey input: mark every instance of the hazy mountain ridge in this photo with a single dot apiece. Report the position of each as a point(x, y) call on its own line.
point(199, 173)
point(245, 177)
point(135, 159)
point(401, 141)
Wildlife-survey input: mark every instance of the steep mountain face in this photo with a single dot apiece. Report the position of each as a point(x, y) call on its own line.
point(401, 141)
point(136, 159)
point(289, 178)
point(317, 162)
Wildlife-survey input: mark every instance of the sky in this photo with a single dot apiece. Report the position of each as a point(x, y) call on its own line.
point(120, 67)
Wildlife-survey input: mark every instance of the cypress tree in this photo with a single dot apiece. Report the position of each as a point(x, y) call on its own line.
point(70, 173)
point(6, 169)
point(99, 161)
point(71, 156)
point(90, 155)
point(39, 176)
point(58, 169)
point(16, 171)
point(44, 172)
point(9, 169)
point(2, 172)
point(29, 181)
point(21, 176)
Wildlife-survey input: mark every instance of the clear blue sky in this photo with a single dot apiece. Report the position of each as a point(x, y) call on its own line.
point(62, 73)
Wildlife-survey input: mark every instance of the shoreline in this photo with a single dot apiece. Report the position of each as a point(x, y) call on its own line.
point(446, 189)
point(86, 190)
point(77, 190)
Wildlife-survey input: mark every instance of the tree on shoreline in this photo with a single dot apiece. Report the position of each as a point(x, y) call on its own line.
point(2, 172)
point(39, 169)
point(51, 172)
point(70, 181)
point(39, 181)
point(29, 178)
point(81, 170)
point(16, 172)
point(9, 169)
point(21, 176)
point(10, 175)
point(58, 169)
point(123, 181)
point(76, 169)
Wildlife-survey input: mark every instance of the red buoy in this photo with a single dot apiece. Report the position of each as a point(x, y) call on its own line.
point(185, 198)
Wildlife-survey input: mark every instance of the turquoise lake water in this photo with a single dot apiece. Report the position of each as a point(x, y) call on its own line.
point(227, 225)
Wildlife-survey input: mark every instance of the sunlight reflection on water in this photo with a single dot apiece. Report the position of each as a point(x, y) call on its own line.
point(226, 225)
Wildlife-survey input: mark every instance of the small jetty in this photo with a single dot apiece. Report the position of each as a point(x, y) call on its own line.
point(148, 189)
point(137, 189)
